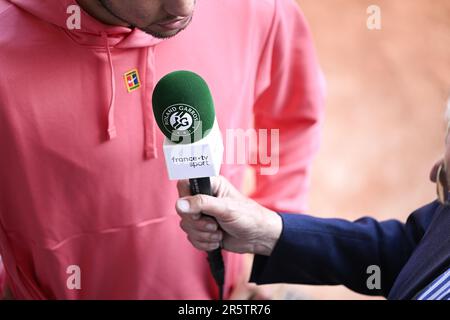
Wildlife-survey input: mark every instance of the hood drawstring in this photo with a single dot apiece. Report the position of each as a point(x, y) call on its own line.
point(150, 150)
point(112, 132)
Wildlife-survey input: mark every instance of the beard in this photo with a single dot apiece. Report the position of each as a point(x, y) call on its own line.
point(165, 35)
point(160, 35)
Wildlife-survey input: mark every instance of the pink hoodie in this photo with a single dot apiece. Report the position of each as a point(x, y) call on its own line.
point(82, 180)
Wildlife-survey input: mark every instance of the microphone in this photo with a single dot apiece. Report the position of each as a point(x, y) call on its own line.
point(193, 148)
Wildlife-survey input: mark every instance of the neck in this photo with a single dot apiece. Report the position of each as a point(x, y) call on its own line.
point(96, 10)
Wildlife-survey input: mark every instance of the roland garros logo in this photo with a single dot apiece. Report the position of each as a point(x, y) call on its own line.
point(181, 119)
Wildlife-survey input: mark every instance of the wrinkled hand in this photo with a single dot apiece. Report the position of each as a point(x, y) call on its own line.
point(241, 225)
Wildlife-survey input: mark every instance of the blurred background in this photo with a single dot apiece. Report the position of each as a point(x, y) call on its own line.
point(384, 126)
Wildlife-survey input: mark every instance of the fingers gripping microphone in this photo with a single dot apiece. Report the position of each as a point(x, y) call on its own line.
point(184, 111)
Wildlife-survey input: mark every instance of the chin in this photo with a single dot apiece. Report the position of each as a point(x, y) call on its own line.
point(167, 34)
point(163, 35)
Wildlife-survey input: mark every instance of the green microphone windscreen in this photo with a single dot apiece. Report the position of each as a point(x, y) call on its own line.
point(183, 107)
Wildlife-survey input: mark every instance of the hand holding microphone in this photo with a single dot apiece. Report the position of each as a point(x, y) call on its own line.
point(241, 224)
point(193, 150)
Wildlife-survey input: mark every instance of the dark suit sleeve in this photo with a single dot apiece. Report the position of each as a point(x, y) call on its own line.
point(334, 251)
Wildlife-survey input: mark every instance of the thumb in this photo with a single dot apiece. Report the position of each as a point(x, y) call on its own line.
point(211, 206)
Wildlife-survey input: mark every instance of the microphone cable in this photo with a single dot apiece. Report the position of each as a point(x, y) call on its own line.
point(215, 258)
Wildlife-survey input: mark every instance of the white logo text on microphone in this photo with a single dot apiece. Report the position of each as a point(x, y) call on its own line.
point(181, 120)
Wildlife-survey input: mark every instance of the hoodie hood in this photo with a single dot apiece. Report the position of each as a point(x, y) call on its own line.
point(95, 34)
point(90, 33)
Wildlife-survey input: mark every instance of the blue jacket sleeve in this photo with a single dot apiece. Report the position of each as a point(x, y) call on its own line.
point(334, 251)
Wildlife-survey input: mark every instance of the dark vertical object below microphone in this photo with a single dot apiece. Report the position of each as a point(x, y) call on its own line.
point(215, 259)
